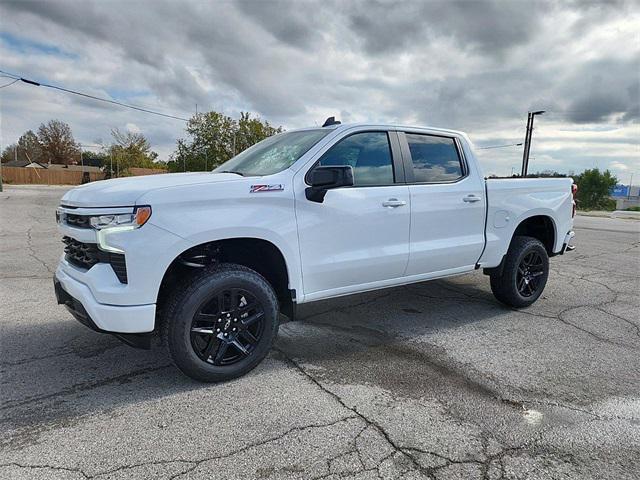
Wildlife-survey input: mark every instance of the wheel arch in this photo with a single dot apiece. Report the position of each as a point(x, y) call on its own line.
point(541, 227)
point(258, 254)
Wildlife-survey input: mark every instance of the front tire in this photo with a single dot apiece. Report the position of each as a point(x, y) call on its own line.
point(524, 275)
point(221, 324)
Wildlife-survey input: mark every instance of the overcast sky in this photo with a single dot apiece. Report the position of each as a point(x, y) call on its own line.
point(474, 66)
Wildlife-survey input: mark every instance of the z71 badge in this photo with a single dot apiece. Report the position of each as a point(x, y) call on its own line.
point(266, 188)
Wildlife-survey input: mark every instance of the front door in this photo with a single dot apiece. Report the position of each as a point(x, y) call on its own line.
point(358, 235)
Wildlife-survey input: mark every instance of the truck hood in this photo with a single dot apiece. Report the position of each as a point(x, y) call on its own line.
point(123, 192)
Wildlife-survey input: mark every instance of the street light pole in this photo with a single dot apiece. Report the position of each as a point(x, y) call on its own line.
point(527, 141)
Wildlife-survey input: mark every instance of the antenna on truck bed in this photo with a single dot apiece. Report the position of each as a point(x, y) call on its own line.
point(331, 121)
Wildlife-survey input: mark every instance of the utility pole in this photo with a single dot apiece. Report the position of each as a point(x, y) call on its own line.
point(0, 173)
point(527, 141)
point(630, 186)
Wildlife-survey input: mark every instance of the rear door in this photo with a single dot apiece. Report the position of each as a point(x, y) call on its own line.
point(447, 205)
point(358, 235)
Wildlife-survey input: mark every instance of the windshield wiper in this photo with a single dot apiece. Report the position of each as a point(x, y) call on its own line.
point(232, 171)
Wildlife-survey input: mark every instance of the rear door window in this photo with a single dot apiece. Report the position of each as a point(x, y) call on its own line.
point(435, 159)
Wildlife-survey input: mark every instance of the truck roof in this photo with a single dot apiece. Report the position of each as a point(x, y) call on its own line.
point(347, 126)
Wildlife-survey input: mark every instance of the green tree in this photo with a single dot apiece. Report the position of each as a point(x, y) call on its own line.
point(548, 174)
point(250, 131)
point(214, 138)
point(8, 153)
point(95, 159)
point(27, 149)
point(131, 150)
point(29, 146)
point(593, 189)
point(58, 144)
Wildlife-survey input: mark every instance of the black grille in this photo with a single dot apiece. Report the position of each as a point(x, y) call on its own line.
point(86, 255)
point(83, 255)
point(78, 221)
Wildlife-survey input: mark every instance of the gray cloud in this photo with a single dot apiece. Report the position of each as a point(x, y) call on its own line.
point(604, 88)
point(288, 25)
point(476, 65)
point(490, 26)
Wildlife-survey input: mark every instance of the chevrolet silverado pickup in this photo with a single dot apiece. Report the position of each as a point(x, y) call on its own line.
point(210, 260)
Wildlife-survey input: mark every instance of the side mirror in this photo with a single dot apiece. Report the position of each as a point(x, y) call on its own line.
point(326, 178)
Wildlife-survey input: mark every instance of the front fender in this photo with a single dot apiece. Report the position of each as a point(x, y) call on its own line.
point(202, 214)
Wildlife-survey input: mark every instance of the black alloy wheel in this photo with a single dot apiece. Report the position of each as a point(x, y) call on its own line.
point(227, 327)
point(530, 271)
point(220, 322)
point(524, 273)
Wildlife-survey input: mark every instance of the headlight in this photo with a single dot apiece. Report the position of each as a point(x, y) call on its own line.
point(121, 222)
point(135, 220)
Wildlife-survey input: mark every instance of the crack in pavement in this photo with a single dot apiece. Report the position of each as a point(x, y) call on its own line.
point(81, 387)
point(408, 452)
point(32, 252)
point(28, 277)
point(80, 350)
point(597, 306)
point(193, 463)
point(45, 467)
point(518, 404)
point(368, 421)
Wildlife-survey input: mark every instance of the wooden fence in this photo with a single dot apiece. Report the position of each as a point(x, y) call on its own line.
point(42, 176)
point(137, 171)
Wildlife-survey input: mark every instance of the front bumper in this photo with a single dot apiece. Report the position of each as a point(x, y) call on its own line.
point(101, 317)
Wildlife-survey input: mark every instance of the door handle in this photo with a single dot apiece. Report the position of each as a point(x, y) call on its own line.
point(394, 203)
point(471, 199)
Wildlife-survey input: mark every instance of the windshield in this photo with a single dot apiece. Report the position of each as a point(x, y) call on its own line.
point(273, 154)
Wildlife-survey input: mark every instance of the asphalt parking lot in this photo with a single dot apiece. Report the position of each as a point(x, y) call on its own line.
point(434, 380)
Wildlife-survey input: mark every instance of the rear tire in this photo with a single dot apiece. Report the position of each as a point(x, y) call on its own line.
point(524, 274)
point(221, 323)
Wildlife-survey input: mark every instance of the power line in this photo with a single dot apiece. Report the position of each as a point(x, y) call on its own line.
point(93, 97)
point(500, 146)
point(10, 83)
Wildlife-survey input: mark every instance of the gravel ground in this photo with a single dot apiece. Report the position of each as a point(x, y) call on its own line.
point(433, 380)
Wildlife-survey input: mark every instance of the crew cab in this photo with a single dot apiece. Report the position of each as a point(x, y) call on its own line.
point(210, 260)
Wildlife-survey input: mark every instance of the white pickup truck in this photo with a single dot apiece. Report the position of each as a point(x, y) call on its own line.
point(210, 259)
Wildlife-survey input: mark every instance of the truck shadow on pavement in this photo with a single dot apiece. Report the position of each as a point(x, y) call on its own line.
point(68, 372)
point(63, 360)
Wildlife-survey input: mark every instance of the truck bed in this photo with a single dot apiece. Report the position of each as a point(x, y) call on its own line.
point(511, 202)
